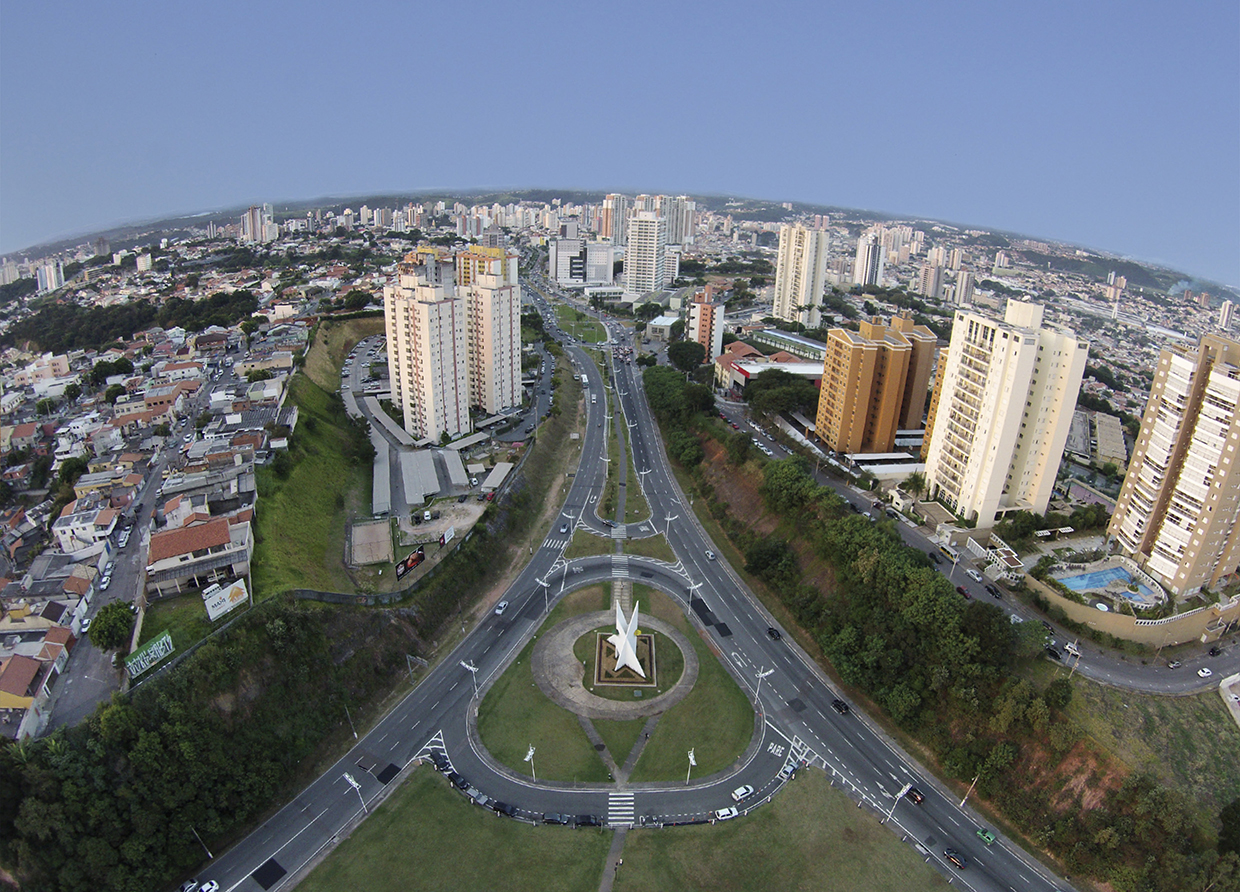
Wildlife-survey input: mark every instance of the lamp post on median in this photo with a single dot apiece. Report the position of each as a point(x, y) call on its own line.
point(762, 673)
point(350, 718)
point(693, 588)
point(473, 671)
point(546, 594)
point(358, 788)
point(667, 531)
point(529, 757)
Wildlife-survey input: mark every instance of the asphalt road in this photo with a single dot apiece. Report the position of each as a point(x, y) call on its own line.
point(795, 719)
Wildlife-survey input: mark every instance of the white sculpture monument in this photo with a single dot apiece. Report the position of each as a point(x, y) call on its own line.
point(625, 642)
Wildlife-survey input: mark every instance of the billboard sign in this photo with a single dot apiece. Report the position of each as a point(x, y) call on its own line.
point(145, 657)
point(220, 600)
point(447, 537)
point(414, 558)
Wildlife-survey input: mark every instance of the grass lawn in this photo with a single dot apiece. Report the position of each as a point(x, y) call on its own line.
point(587, 544)
point(635, 505)
point(427, 836)
point(183, 616)
point(332, 344)
point(654, 547)
point(1190, 743)
point(810, 836)
point(715, 720)
point(299, 528)
point(619, 736)
point(578, 324)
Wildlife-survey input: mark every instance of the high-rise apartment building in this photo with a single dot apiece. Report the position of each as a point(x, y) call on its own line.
point(705, 325)
point(800, 274)
point(258, 226)
point(680, 212)
point(871, 256)
point(929, 281)
point(1001, 412)
point(645, 256)
point(874, 383)
point(427, 329)
point(962, 295)
point(487, 277)
point(614, 218)
point(1225, 314)
point(49, 276)
point(1178, 513)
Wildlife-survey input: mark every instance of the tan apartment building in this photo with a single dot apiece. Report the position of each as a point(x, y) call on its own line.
point(1178, 513)
point(874, 384)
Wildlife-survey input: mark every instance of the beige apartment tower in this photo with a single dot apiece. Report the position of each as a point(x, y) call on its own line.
point(800, 274)
point(1178, 513)
point(874, 384)
point(487, 277)
point(1001, 411)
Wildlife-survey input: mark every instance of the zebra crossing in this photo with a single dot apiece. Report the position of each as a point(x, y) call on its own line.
point(619, 531)
point(620, 809)
point(556, 544)
point(620, 566)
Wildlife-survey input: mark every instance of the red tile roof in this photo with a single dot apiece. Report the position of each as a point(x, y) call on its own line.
point(188, 539)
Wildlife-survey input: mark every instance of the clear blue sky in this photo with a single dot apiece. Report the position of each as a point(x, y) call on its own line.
point(1111, 124)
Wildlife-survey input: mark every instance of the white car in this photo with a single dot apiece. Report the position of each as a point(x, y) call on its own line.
point(500, 608)
point(1204, 672)
point(973, 574)
point(104, 583)
point(725, 813)
point(742, 793)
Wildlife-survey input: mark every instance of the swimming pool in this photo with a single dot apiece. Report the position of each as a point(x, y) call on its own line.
point(1099, 579)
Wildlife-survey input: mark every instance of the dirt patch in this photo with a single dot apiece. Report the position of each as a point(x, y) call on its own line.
point(1084, 775)
point(738, 487)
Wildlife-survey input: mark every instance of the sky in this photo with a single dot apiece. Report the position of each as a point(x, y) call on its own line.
point(1114, 125)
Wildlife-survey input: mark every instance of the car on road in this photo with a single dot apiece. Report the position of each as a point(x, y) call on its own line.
point(1204, 672)
point(556, 818)
point(840, 706)
point(458, 780)
point(933, 555)
point(742, 793)
point(209, 886)
point(1214, 651)
point(985, 835)
point(503, 808)
point(1174, 664)
point(86, 625)
point(773, 633)
point(500, 608)
point(563, 528)
point(710, 555)
point(915, 796)
point(589, 821)
point(955, 858)
point(961, 590)
point(725, 814)
point(104, 583)
point(440, 761)
point(994, 592)
point(189, 886)
point(973, 574)
point(1053, 653)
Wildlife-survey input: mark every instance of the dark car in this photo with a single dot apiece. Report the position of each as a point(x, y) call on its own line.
point(458, 780)
point(994, 591)
point(773, 633)
point(840, 706)
point(915, 795)
point(553, 818)
point(960, 589)
point(1047, 626)
point(589, 821)
point(956, 859)
point(439, 760)
point(1053, 653)
point(1214, 651)
point(503, 808)
point(934, 556)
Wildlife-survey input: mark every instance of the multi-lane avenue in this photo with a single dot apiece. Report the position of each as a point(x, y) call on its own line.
point(795, 722)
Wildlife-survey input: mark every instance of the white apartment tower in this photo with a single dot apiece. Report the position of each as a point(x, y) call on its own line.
point(613, 220)
point(645, 258)
point(427, 325)
point(257, 225)
point(800, 274)
point(1178, 513)
point(680, 212)
point(1000, 412)
point(871, 256)
point(488, 279)
point(1225, 314)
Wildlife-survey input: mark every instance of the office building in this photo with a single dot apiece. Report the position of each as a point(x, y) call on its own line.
point(1001, 412)
point(705, 324)
point(487, 277)
point(428, 364)
point(1178, 513)
point(871, 256)
point(613, 219)
point(800, 274)
point(874, 383)
point(577, 263)
point(645, 258)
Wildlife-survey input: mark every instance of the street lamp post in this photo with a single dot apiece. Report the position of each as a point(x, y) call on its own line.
point(350, 718)
point(692, 762)
point(473, 671)
point(667, 531)
point(546, 594)
point(693, 588)
point(210, 857)
point(762, 673)
point(358, 788)
point(529, 757)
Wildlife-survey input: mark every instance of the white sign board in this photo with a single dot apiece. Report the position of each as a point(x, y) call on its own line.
point(224, 599)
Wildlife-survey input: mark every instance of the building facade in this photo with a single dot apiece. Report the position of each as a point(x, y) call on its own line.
point(488, 279)
point(705, 324)
point(1001, 412)
point(1178, 513)
point(870, 259)
point(645, 258)
point(874, 383)
point(613, 218)
point(800, 274)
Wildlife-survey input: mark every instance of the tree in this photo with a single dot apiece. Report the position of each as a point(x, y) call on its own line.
point(114, 393)
point(73, 391)
point(71, 469)
point(259, 375)
point(686, 355)
point(45, 406)
point(648, 310)
point(1229, 837)
point(356, 299)
point(914, 483)
point(111, 627)
point(677, 330)
point(1058, 694)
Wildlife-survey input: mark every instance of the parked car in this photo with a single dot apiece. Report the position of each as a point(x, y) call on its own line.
point(961, 590)
point(933, 555)
point(1174, 664)
point(1204, 672)
point(725, 814)
point(742, 793)
point(994, 591)
point(973, 574)
point(555, 818)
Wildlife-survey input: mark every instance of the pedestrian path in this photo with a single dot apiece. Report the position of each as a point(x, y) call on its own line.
point(620, 809)
point(556, 544)
point(619, 531)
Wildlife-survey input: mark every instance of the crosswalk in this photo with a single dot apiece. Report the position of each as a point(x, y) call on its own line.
point(620, 566)
point(619, 532)
point(555, 544)
point(619, 809)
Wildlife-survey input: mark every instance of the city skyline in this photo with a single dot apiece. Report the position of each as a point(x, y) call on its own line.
point(1090, 129)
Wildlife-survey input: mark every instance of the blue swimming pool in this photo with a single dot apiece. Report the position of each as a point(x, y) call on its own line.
point(1099, 579)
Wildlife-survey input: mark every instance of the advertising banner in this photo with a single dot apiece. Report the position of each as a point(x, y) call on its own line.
point(447, 537)
point(146, 657)
point(414, 558)
point(220, 600)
